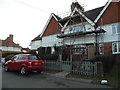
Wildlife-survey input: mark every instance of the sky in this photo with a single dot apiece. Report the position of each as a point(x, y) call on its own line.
point(25, 19)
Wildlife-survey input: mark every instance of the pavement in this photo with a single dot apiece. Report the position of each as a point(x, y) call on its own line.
point(64, 74)
point(0, 77)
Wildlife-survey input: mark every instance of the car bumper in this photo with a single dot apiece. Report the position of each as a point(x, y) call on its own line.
point(35, 68)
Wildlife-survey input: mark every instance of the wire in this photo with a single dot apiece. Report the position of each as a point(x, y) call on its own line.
point(31, 6)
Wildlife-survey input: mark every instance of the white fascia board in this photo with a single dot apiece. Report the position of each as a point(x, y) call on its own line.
point(65, 26)
point(104, 9)
point(88, 20)
point(56, 19)
point(52, 15)
point(72, 13)
point(46, 25)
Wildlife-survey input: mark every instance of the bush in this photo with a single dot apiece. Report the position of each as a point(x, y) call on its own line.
point(52, 57)
point(6, 54)
point(107, 60)
point(8, 57)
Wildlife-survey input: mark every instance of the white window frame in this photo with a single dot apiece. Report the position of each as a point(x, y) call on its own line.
point(115, 29)
point(81, 49)
point(101, 48)
point(117, 47)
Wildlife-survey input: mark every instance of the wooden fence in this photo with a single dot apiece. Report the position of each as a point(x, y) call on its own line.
point(82, 68)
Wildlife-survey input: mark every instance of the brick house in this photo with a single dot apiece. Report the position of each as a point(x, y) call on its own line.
point(46, 41)
point(92, 32)
point(83, 34)
point(8, 45)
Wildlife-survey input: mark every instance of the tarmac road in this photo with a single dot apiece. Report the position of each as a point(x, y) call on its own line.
point(43, 80)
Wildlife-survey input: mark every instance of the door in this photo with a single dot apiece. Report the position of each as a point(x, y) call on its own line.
point(91, 51)
point(18, 62)
point(11, 64)
point(66, 66)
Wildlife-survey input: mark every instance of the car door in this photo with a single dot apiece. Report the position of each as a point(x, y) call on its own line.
point(11, 63)
point(18, 62)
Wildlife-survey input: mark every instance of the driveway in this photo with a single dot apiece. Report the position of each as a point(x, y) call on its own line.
point(43, 80)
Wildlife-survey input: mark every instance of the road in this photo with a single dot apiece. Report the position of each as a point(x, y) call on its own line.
point(43, 80)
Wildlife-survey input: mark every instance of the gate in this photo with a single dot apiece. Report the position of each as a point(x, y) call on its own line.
point(66, 66)
point(82, 68)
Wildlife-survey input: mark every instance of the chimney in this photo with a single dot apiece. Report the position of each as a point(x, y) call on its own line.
point(77, 5)
point(11, 37)
point(10, 40)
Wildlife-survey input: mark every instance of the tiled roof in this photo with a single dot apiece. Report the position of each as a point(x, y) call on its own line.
point(37, 38)
point(91, 14)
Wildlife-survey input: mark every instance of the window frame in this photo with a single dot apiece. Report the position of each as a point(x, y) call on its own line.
point(101, 48)
point(116, 29)
point(117, 47)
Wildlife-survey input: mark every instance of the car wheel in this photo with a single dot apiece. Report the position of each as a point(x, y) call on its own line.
point(23, 70)
point(6, 69)
point(39, 71)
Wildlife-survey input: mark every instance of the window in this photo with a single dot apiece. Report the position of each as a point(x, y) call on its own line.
point(118, 29)
point(101, 48)
point(14, 58)
point(115, 29)
point(116, 47)
point(77, 28)
point(80, 49)
point(33, 58)
point(21, 57)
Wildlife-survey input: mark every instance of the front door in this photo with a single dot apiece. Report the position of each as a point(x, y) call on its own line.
point(91, 51)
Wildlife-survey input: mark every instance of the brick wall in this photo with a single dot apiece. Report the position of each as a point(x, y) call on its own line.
point(107, 48)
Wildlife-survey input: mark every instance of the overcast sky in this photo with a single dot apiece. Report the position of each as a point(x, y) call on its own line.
point(25, 19)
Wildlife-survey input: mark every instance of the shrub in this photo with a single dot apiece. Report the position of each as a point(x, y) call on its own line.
point(52, 57)
point(107, 60)
point(8, 57)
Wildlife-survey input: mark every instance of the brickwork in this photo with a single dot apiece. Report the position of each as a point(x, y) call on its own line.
point(107, 48)
point(52, 28)
point(111, 15)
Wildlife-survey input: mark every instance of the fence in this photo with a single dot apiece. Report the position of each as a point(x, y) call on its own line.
point(52, 65)
point(85, 68)
point(82, 68)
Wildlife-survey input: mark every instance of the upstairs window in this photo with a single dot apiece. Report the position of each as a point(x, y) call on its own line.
point(115, 29)
point(77, 28)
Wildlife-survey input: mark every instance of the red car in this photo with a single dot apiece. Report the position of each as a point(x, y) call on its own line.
point(24, 63)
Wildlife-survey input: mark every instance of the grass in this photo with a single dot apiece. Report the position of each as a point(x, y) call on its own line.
point(113, 77)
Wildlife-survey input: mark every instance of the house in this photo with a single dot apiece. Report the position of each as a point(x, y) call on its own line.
point(83, 34)
point(7, 45)
point(89, 33)
point(47, 40)
point(25, 50)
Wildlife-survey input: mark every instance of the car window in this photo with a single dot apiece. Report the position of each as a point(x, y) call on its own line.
point(21, 57)
point(33, 57)
point(14, 58)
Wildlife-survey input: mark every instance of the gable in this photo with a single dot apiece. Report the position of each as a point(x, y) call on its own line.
point(52, 28)
point(111, 15)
